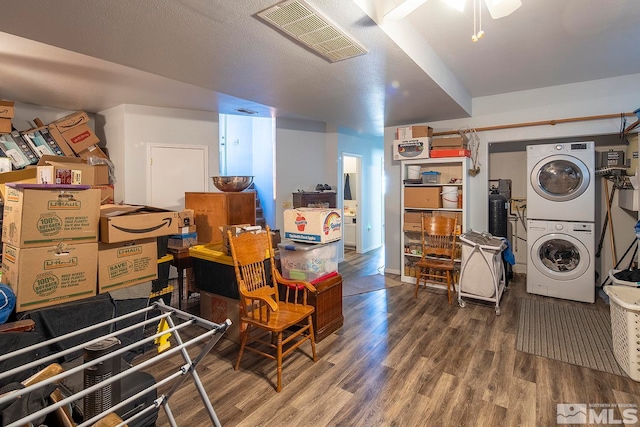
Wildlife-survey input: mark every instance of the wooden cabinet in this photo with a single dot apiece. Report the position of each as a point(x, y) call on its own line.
point(327, 317)
point(314, 199)
point(213, 210)
point(448, 196)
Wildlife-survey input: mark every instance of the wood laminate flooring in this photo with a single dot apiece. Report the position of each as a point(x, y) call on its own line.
point(400, 361)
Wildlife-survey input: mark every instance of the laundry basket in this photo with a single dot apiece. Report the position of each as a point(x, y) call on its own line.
point(625, 327)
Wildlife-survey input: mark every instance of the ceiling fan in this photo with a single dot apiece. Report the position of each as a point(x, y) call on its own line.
point(497, 8)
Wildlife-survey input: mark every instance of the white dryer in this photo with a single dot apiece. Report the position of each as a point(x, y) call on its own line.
point(561, 259)
point(561, 181)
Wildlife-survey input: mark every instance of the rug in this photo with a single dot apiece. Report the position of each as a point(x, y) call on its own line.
point(571, 334)
point(364, 284)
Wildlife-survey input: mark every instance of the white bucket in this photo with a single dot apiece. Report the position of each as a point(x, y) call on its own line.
point(413, 172)
point(449, 196)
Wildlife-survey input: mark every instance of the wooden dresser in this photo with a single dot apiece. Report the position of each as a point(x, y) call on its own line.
point(316, 199)
point(213, 210)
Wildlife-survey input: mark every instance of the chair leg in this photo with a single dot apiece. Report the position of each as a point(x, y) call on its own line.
point(449, 286)
point(243, 341)
point(313, 339)
point(279, 360)
point(415, 294)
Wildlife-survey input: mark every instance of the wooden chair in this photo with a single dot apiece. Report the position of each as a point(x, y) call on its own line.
point(287, 322)
point(438, 251)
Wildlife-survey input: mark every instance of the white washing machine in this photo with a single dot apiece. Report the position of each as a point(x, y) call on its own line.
point(561, 181)
point(561, 260)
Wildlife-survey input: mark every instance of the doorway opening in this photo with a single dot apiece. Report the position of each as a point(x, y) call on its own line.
point(351, 200)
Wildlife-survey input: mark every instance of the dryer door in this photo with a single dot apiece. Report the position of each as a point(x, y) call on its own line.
point(560, 178)
point(560, 256)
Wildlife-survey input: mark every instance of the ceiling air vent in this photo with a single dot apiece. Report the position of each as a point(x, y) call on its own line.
point(302, 22)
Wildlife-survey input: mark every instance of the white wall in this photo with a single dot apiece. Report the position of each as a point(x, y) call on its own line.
point(263, 166)
point(300, 161)
point(130, 128)
point(26, 113)
point(607, 96)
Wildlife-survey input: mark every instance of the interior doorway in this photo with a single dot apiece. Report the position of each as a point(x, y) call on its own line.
point(351, 201)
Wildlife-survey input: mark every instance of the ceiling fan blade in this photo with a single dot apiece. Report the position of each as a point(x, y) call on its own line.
point(502, 8)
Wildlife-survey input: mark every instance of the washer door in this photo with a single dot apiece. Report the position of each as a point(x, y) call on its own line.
point(560, 178)
point(560, 256)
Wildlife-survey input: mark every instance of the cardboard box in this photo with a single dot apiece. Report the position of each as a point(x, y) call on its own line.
point(450, 153)
point(125, 264)
point(179, 241)
point(106, 193)
point(71, 170)
point(453, 141)
point(59, 139)
point(186, 218)
point(186, 230)
point(412, 221)
point(7, 110)
point(42, 142)
point(80, 138)
point(218, 308)
point(71, 121)
point(17, 149)
point(423, 197)
point(23, 176)
point(408, 132)
point(35, 217)
point(120, 223)
point(408, 149)
point(50, 275)
point(93, 151)
point(312, 225)
point(5, 125)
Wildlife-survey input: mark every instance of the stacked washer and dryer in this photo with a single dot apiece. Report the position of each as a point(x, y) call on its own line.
point(561, 220)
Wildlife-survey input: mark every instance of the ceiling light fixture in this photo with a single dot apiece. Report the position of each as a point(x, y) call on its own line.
point(477, 9)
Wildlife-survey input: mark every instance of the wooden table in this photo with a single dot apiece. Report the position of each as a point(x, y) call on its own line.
point(181, 261)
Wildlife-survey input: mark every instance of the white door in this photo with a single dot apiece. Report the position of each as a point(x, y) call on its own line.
point(174, 170)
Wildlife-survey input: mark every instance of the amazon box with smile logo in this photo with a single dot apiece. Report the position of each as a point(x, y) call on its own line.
point(38, 215)
point(50, 275)
point(121, 223)
point(125, 264)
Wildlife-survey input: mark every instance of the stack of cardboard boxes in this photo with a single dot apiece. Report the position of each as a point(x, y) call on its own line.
point(69, 138)
point(187, 235)
point(61, 245)
point(417, 142)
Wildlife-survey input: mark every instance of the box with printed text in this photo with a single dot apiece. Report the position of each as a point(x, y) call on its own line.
point(312, 225)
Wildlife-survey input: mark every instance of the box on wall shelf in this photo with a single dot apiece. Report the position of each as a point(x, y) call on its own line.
point(40, 214)
point(71, 170)
point(304, 261)
point(50, 275)
point(312, 225)
point(414, 148)
point(120, 223)
point(423, 197)
point(126, 264)
point(449, 142)
point(413, 221)
point(408, 132)
point(450, 153)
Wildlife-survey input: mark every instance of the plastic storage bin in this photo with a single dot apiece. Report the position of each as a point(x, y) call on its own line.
point(625, 327)
point(213, 270)
point(430, 177)
point(304, 261)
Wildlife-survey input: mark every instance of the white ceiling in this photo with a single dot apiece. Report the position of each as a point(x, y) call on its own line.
point(216, 55)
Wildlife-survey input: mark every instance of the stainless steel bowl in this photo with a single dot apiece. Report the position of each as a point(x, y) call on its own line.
point(232, 183)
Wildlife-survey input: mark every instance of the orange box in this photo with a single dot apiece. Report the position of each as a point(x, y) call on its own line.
point(7, 109)
point(70, 121)
point(450, 153)
point(80, 138)
point(5, 125)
